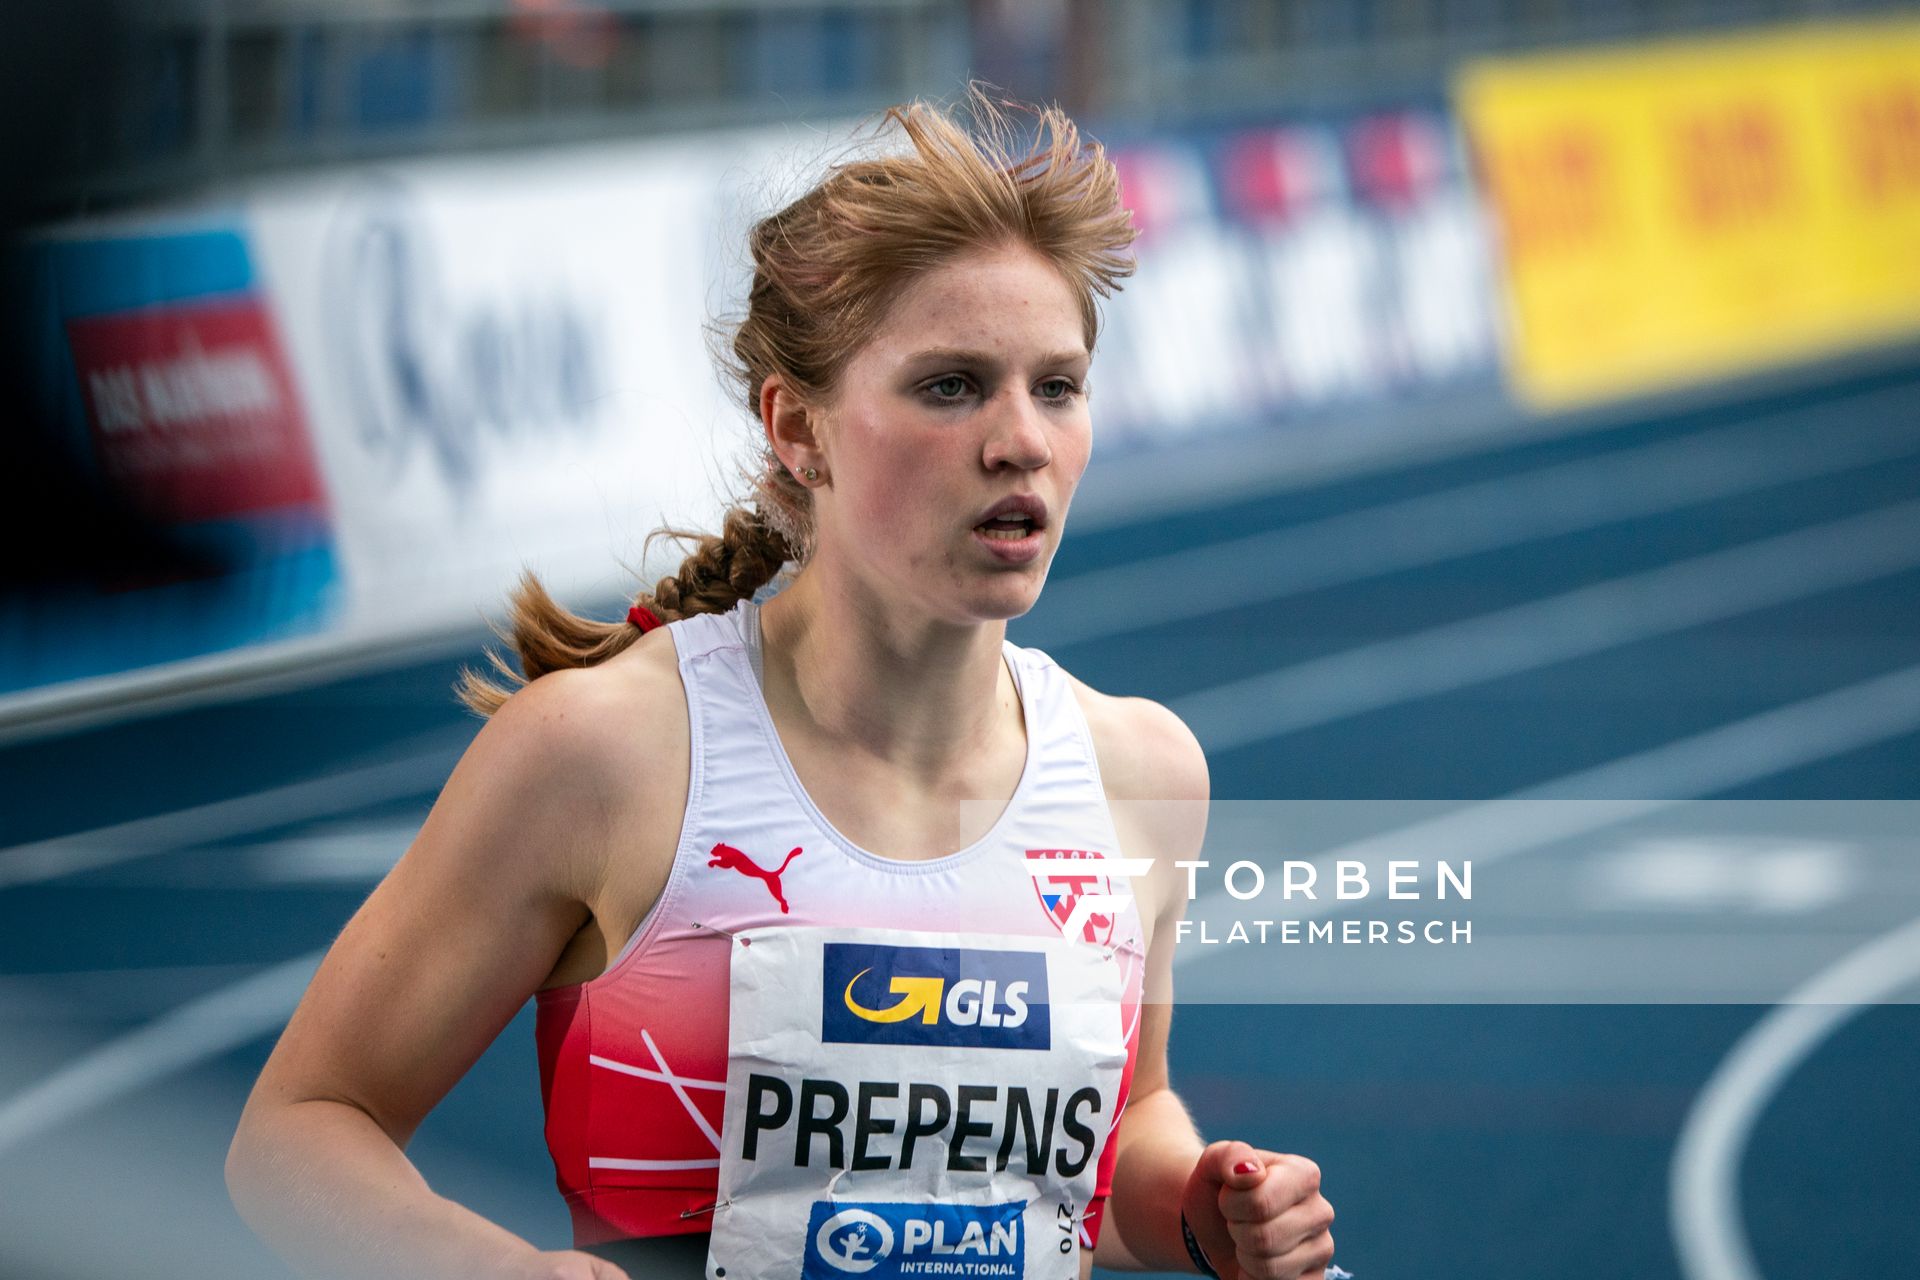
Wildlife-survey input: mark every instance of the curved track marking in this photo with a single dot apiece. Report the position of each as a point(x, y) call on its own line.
point(1704, 1187)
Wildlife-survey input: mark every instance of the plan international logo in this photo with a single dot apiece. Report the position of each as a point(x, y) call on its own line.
point(873, 994)
point(880, 1241)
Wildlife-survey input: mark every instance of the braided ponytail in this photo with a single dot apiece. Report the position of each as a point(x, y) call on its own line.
point(721, 571)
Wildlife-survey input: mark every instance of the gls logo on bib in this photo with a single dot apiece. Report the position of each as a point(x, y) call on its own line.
point(882, 1241)
point(873, 994)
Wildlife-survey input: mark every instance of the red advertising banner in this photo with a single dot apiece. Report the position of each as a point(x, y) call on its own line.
point(193, 409)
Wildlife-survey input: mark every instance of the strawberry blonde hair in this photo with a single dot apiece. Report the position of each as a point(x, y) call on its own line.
point(825, 270)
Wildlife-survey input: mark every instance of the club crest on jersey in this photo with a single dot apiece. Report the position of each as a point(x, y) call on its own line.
point(955, 996)
point(1059, 890)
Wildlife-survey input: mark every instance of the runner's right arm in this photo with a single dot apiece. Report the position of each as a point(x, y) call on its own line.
point(577, 769)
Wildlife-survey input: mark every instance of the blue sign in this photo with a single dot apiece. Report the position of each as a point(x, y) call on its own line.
point(949, 996)
point(880, 1240)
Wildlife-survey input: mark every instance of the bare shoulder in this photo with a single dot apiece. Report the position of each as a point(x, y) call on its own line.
point(597, 717)
point(1146, 751)
point(587, 754)
point(1155, 775)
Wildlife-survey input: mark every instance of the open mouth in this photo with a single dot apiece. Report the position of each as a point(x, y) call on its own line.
point(1010, 528)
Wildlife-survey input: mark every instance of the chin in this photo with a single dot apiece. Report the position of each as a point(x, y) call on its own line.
point(1010, 597)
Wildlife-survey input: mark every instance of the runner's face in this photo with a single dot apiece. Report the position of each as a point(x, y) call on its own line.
point(972, 392)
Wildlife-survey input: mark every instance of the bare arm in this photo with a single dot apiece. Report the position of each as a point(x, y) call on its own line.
point(1156, 778)
point(1257, 1215)
point(505, 871)
point(1158, 1150)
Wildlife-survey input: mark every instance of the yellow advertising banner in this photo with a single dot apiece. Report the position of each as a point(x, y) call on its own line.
point(1680, 210)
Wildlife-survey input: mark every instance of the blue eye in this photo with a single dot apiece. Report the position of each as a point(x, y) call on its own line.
point(1058, 389)
point(951, 387)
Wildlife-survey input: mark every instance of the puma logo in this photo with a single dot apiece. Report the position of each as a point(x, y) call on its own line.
point(725, 855)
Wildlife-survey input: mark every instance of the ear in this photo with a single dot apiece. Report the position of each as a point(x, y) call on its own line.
point(790, 430)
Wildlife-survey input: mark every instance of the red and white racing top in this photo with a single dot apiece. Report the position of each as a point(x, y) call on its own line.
point(634, 1063)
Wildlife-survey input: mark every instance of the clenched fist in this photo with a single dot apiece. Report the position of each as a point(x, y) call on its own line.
point(1259, 1215)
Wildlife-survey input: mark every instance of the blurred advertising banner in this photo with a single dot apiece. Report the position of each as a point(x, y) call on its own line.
point(366, 401)
point(165, 393)
point(506, 363)
point(380, 393)
point(1292, 270)
point(1684, 210)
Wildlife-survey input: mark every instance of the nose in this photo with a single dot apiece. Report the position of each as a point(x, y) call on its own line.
point(1018, 436)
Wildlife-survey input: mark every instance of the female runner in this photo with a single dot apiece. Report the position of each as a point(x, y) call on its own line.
point(799, 887)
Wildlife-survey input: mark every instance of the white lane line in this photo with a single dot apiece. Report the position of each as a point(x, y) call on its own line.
point(196, 1031)
point(76, 998)
point(324, 855)
point(1590, 800)
point(1274, 460)
point(1573, 624)
point(1703, 1193)
point(1760, 746)
point(1748, 874)
point(1484, 516)
point(357, 853)
point(421, 766)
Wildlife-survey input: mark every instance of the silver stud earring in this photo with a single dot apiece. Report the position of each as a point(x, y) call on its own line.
point(810, 474)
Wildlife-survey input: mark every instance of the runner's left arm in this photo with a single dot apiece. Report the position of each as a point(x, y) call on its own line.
point(1158, 1144)
point(1156, 776)
point(1254, 1214)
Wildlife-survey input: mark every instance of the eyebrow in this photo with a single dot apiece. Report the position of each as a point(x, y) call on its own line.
point(954, 355)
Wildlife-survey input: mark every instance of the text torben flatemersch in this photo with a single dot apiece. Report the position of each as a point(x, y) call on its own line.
point(1349, 880)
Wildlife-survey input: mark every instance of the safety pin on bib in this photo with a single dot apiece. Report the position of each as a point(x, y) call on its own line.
point(705, 1208)
point(741, 938)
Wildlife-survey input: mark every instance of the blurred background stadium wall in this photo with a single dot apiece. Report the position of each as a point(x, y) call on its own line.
point(297, 323)
point(1517, 401)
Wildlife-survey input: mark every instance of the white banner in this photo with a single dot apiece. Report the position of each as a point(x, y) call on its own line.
point(505, 364)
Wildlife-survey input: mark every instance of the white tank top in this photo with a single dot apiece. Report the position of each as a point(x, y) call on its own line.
point(634, 1062)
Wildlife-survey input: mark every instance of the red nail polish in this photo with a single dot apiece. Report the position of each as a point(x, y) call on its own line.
point(1246, 1166)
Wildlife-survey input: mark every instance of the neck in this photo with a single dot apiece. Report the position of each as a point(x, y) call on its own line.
point(919, 692)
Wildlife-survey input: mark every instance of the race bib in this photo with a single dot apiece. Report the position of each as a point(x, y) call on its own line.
point(909, 1104)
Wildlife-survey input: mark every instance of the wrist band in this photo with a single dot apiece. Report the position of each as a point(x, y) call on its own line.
point(1194, 1251)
